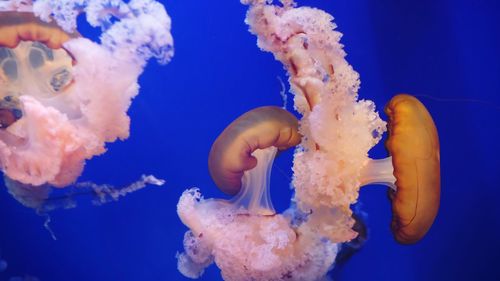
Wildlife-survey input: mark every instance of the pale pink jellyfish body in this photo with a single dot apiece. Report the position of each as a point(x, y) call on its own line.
point(413, 170)
point(244, 236)
point(62, 96)
point(339, 129)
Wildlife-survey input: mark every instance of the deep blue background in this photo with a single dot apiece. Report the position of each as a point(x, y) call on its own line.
point(445, 49)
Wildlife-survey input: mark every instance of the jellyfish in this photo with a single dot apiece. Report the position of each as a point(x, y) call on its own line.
point(412, 170)
point(339, 129)
point(331, 162)
point(244, 236)
point(63, 96)
point(4, 266)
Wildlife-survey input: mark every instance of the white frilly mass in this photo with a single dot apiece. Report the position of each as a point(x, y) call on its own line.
point(58, 133)
point(338, 131)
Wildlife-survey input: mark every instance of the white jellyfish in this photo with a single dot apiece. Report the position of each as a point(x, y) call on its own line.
point(244, 236)
point(3, 265)
point(63, 96)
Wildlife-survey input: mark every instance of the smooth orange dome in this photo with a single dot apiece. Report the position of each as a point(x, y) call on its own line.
point(231, 153)
point(414, 145)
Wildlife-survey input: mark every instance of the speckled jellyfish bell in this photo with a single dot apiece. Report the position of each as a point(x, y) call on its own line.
point(63, 96)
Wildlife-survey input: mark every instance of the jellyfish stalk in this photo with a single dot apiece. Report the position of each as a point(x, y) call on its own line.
point(378, 171)
point(254, 195)
point(244, 236)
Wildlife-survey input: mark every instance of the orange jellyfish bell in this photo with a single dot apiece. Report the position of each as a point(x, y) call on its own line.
point(231, 153)
point(414, 145)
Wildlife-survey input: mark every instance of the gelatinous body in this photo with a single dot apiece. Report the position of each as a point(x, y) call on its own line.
point(248, 241)
point(62, 96)
point(231, 153)
point(336, 133)
point(414, 145)
point(246, 245)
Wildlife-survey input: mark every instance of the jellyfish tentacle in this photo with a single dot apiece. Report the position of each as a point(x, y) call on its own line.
point(254, 193)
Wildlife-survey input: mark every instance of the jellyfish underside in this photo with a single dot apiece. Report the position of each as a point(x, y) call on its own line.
point(32, 68)
point(254, 195)
point(59, 100)
point(29, 68)
point(32, 62)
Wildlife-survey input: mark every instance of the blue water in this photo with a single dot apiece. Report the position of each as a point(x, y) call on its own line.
point(444, 49)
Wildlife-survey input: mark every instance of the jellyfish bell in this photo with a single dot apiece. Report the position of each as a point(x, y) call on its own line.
point(330, 163)
point(240, 163)
point(241, 158)
point(413, 169)
point(413, 141)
